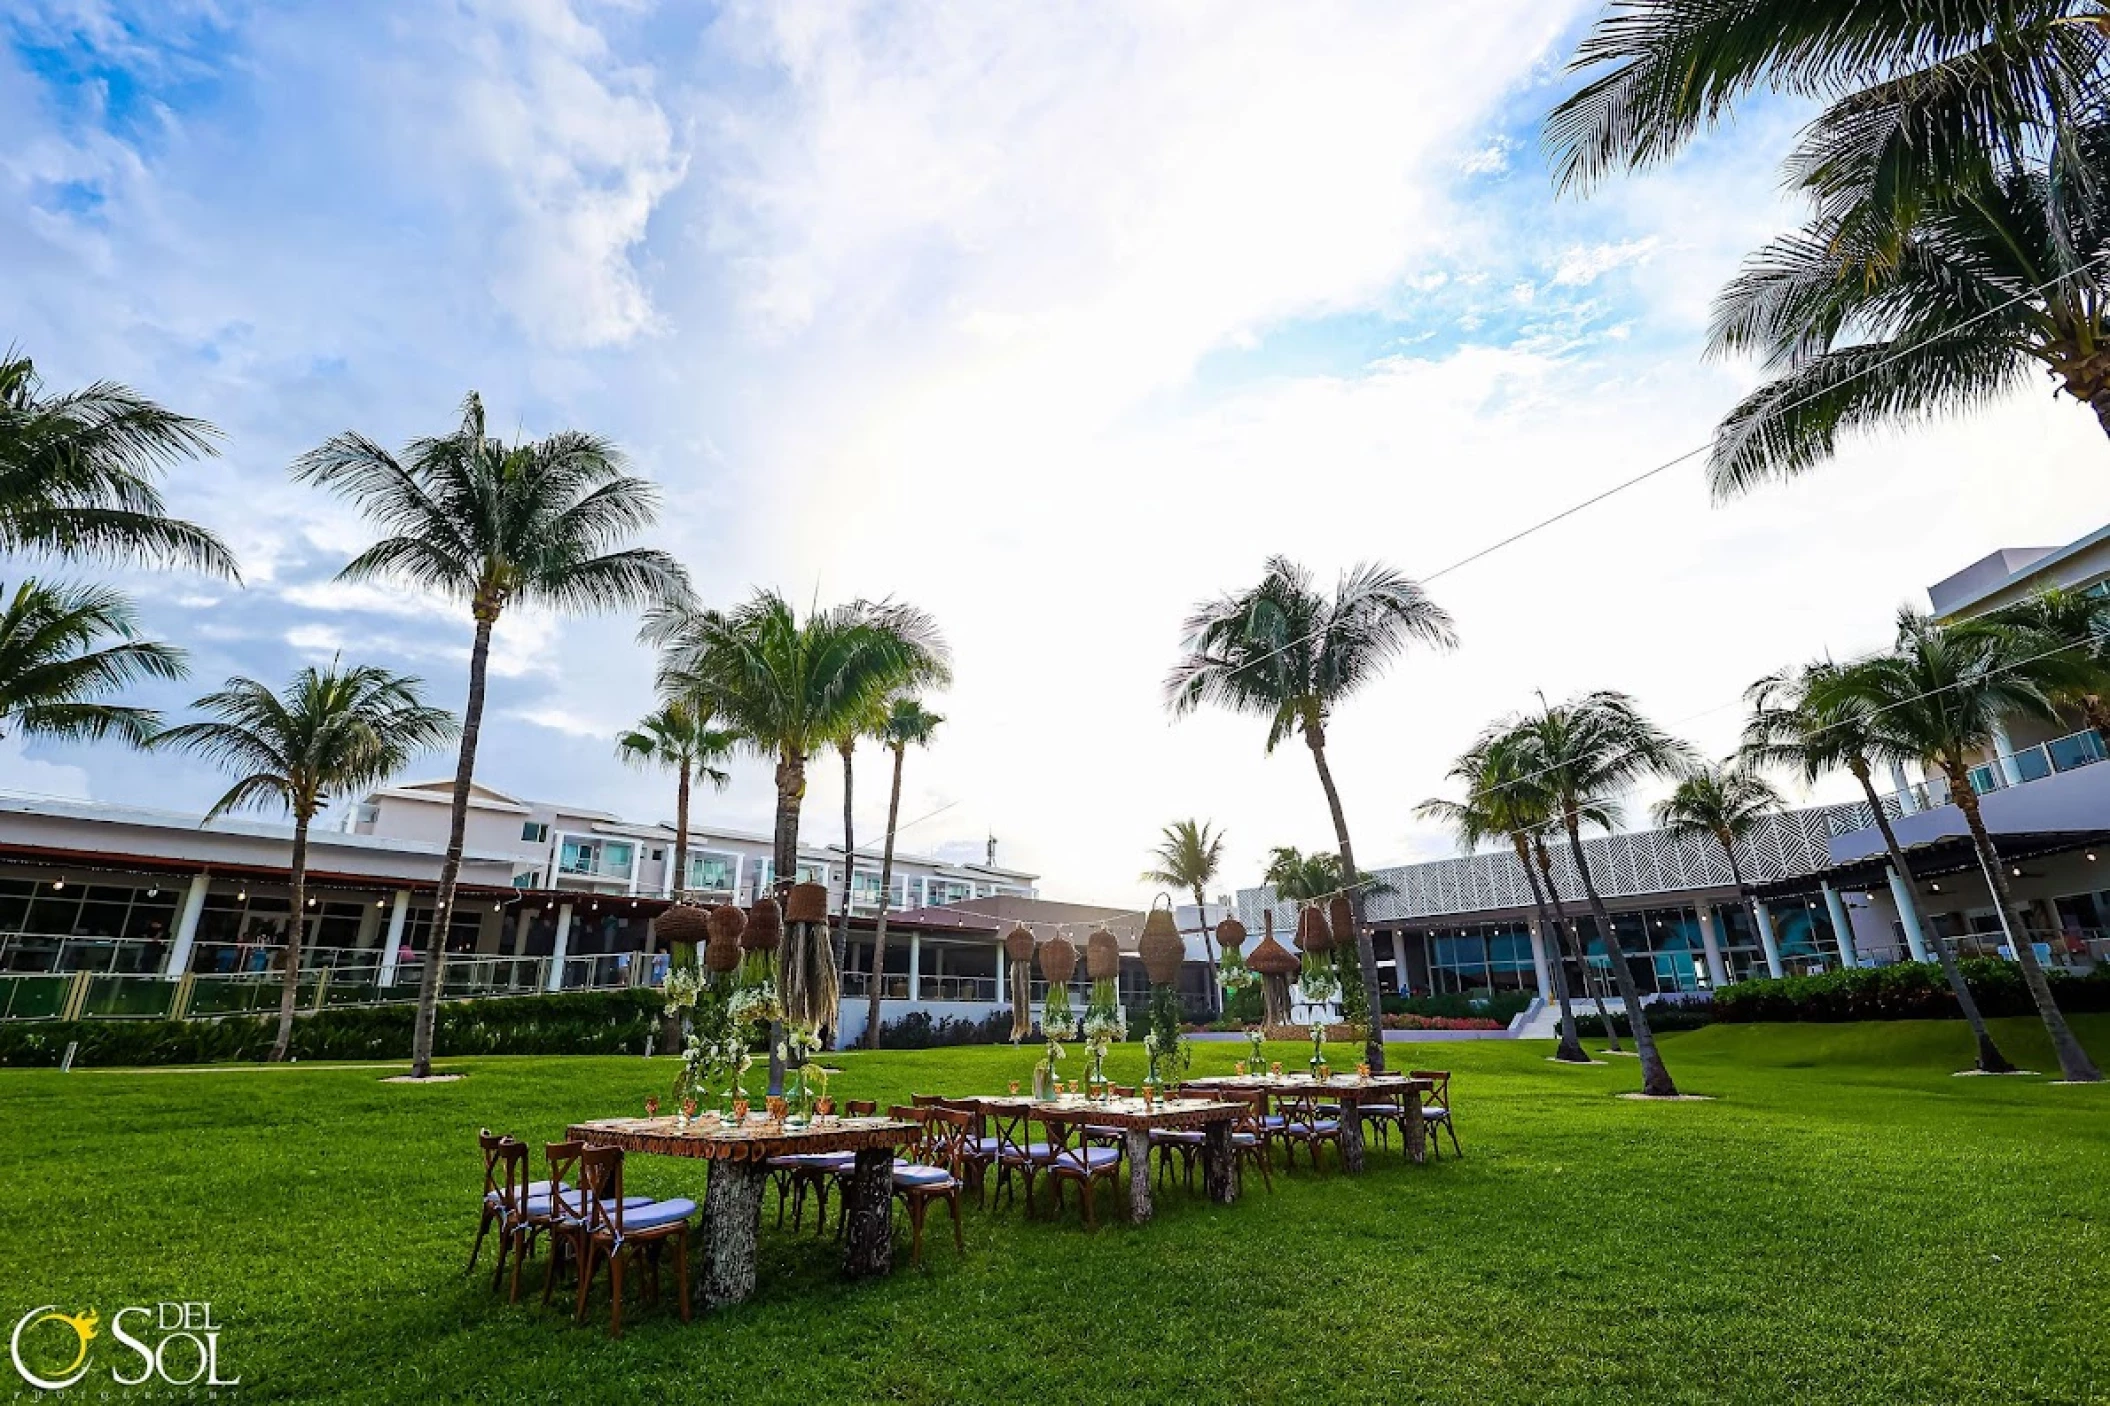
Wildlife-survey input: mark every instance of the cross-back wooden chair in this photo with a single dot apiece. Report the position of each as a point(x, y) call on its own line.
point(1071, 1158)
point(978, 1149)
point(1385, 1111)
point(1016, 1151)
point(1185, 1143)
point(492, 1146)
point(933, 1171)
point(615, 1228)
point(1249, 1135)
point(1436, 1107)
point(1304, 1126)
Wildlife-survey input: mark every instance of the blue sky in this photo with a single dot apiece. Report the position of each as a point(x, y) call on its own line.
point(1052, 319)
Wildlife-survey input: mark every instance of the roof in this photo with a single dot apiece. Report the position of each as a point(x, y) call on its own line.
point(1045, 915)
point(1991, 574)
point(246, 827)
point(441, 792)
point(1931, 859)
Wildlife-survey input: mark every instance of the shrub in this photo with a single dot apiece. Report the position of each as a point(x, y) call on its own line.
point(1410, 1021)
point(917, 1031)
point(1905, 991)
point(1499, 1006)
point(1662, 1017)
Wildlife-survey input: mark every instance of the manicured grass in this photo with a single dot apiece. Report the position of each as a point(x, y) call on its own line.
point(1845, 1223)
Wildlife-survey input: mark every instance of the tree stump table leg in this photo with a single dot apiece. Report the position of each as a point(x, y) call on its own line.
point(1136, 1143)
point(1414, 1132)
point(1351, 1135)
point(732, 1223)
point(1219, 1163)
point(868, 1214)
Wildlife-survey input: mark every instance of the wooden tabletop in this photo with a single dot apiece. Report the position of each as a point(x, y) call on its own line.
point(1118, 1112)
point(752, 1141)
point(1348, 1087)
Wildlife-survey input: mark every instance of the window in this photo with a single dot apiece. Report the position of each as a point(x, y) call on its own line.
point(658, 854)
point(535, 832)
point(711, 871)
point(940, 891)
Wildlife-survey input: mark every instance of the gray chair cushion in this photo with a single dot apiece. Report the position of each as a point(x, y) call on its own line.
point(1322, 1128)
point(654, 1214)
point(916, 1175)
point(1079, 1159)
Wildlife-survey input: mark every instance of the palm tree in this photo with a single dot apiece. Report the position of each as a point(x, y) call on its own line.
point(678, 734)
point(1805, 722)
point(329, 733)
point(1297, 877)
point(907, 724)
point(1585, 753)
point(2080, 622)
point(79, 471)
point(1285, 651)
point(1188, 858)
point(1921, 95)
point(1938, 698)
point(2006, 278)
point(494, 525)
point(1723, 803)
point(1501, 804)
point(64, 649)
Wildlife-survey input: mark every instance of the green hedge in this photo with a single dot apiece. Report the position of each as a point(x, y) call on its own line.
point(578, 1022)
point(1663, 1017)
point(1905, 991)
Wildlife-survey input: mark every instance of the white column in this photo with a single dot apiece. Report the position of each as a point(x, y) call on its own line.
point(2004, 750)
point(1907, 801)
point(1538, 963)
point(1841, 929)
point(1717, 970)
point(1399, 964)
point(398, 914)
point(1908, 915)
point(557, 949)
point(1769, 940)
point(915, 966)
point(1001, 988)
point(523, 921)
point(178, 960)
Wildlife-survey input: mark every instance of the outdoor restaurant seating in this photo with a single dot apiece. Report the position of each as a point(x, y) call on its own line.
point(1304, 1126)
point(934, 1172)
point(1071, 1158)
point(606, 1226)
point(1249, 1136)
point(1017, 1152)
point(1436, 1108)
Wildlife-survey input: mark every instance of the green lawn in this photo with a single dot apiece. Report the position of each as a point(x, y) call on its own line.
point(1845, 1223)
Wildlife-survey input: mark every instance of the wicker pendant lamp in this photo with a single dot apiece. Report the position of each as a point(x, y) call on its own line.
point(1276, 964)
point(725, 924)
point(1340, 915)
point(1162, 949)
point(1230, 935)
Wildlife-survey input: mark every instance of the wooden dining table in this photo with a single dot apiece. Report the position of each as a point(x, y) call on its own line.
point(1351, 1091)
point(732, 1199)
point(1136, 1121)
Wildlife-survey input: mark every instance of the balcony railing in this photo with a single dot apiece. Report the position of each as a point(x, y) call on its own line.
point(894, 986)
point(2060, 754)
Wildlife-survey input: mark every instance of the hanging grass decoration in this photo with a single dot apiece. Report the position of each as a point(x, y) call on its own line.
point(683, 927)
point(758, 940)
point(808, 986)
point(1058, 963)
point(1315, 940)
point(1018, 955)
point(1340, 914)
point(1162, 948)
point(1276, 964)
point(1104, 1020)
point(1232, 973)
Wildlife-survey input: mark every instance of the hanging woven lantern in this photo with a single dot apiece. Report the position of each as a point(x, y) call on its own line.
point(1018, 945)
point(726, 923)
point(1271, 958)
point(1276, 964)
point(1230, 935)
point(1161, 946)
point(1102, 956)
point(1058, 960)
point(683, 925)
point(765, 927)
point(1312, 933)
point(1340, 914)
point(806, 903)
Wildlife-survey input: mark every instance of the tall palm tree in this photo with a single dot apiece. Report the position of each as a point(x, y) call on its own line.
point(1938, 698)
point(1297, 877)
point(494, 525)
point(63, 650)
point(330, 732)
point(1725, 804)
point(1286, 651)
point(907, 724)
point(1501, 804)
point(1586, 752)
point(678, 734)
point(1803, 721)
point(1921, 95)
point(2056, 616)
point(79, 473)
point(2007, 278)
point(1188, 858)
point(1571, 934)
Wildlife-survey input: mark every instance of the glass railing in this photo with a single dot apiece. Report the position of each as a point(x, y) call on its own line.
point(2060, 754)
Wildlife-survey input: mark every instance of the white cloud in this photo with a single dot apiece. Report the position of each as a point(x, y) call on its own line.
point(1581, 266)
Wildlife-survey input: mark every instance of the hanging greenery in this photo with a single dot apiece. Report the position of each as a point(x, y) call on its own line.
point(809, 987)
point(1018, 953)
point(1058, 962)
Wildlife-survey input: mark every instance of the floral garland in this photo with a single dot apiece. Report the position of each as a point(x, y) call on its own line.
point(1057, 1020)
point(1233, 975)
point(755, 1005)
point(1318, 979)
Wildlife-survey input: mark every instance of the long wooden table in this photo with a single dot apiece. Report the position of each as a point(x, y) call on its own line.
point(732, 1201)
point(1351, 1091)
point(1137, 1121)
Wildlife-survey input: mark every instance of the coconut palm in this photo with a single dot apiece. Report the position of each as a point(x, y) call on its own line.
point(1189, 857)
point(1502, 805)
point(1922, 95)
point(328, 733)
point(494, 525)
point(907, 724)
point(1802, 721)
point(678, 735)
point(1297, 877)
point(63, 650)
point(2080, 622)
point(1940, 697)
point(2008, 278)
point(1585, 753)
point(79, 473)
point(1286, 651)
point(1723, 803)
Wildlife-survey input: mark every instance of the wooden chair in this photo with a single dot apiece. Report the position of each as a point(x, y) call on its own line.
point(492, 1145)
point(1249, 1135)
point(1304, 1126)
point(1071, 1158)
point(612, 1226)
point(1186, 1143)
point(1436, 1107)
point(1383, 1112)
point(932, 1172)
point(978, 1150)
point(1017, 1152)
point(559, 1214)
point(1105, 1135)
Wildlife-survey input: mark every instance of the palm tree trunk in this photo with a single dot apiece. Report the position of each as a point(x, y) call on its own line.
point(1201, 918)
point(1573, 944)
point(842, 924)
point(670, 1028)
point(791, 794)
point(2074, 1065)
point(451, 865)
point(1655, 1078)
point(289, 990)
point(1365, 953)
point(1570, 1049)
point(886, 880)
point(1990, 1059)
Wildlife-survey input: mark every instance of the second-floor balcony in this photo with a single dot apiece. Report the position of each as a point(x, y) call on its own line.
point(2018, 768)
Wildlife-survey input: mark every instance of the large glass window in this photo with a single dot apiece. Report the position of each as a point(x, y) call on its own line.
point(712, 871)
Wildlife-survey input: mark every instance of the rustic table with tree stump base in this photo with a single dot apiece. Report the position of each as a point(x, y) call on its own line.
point(1351, 1091)
point(1136, 1121)
point(732, 1200)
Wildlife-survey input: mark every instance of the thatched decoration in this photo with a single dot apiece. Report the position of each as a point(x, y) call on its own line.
point(1018, 945)
point(722, 954)
point(1161, 947)
point(1058, 960)
point(1102, 956)
point(724, 923)
point(1230, 935)
point(765, 927)
point(1274, 999)
point(806, 903)
point(809, 988)
point(1312, 932)
point(1340, 914)
point(1271, 958)
point(1021, 979)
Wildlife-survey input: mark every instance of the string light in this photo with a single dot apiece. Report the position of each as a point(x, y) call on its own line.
point(57, 884)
